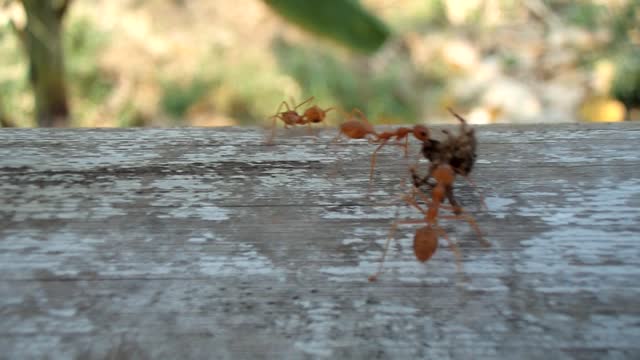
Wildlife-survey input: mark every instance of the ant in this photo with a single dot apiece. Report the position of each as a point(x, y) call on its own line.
point(425, 241)
point(361, 129)
point(291, 117)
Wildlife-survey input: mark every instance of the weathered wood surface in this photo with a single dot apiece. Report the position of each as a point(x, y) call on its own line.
point(205, 243)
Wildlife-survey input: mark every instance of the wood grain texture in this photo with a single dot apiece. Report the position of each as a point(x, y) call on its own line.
point(206, 243)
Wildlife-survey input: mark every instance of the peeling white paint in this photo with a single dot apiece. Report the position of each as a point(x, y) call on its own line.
point(400, 264)
point(602, 204)
point(350, 241)
point(498, 206)
point(63, 312)
point(358, 212)
point(211, 213)
point(203, 238)
point(247, 262)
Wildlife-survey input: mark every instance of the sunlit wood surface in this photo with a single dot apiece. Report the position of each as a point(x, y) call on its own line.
point(207, 243)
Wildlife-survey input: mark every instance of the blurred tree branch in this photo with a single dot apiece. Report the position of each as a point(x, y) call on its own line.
point(41, 38)
point(5, 121)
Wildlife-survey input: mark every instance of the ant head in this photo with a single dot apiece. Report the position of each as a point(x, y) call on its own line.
point(421, 132)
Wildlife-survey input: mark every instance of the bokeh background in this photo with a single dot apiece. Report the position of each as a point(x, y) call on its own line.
point(221, 62)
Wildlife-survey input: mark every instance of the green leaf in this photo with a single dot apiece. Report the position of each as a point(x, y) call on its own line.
point(344, 21)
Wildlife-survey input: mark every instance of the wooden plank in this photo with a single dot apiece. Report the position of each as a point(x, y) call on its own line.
point(200, 243)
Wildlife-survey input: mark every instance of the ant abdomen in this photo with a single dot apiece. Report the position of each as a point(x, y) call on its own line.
point(425, 243)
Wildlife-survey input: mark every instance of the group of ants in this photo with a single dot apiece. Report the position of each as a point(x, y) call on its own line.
point(448, 158)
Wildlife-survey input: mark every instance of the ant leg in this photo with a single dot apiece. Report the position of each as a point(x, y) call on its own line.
point(412, 202)
point(360, 114)
point(286, 105)
point(309, 129)
point(373, 159)
point(392, 232)
point(273, 130)
point(275, 117)
point(417, 180)
point(335, 139)
point(406, 147)
point(462, 120)
point(457, 209)
point(472, 222)
point(325, 123)
point(347, 115)
point(423, 197)
point(480, 195)
point(450, 136)
point(302, 103)
point(454, 247)
point(429, 201)
point(416, 192)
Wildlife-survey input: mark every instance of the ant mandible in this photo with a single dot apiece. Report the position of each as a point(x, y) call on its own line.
point(425, 242)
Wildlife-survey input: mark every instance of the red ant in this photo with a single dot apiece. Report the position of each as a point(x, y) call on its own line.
point(291, 117)
point(362, 129)
point(425, 241)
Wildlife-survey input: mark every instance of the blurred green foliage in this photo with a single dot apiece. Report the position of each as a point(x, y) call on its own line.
point(584, 14)
point(83, 44)
point(621, 22)
point(626, 84)
point(348, 85)
point(345, 21)
point(177, 98)
point(14, 87)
